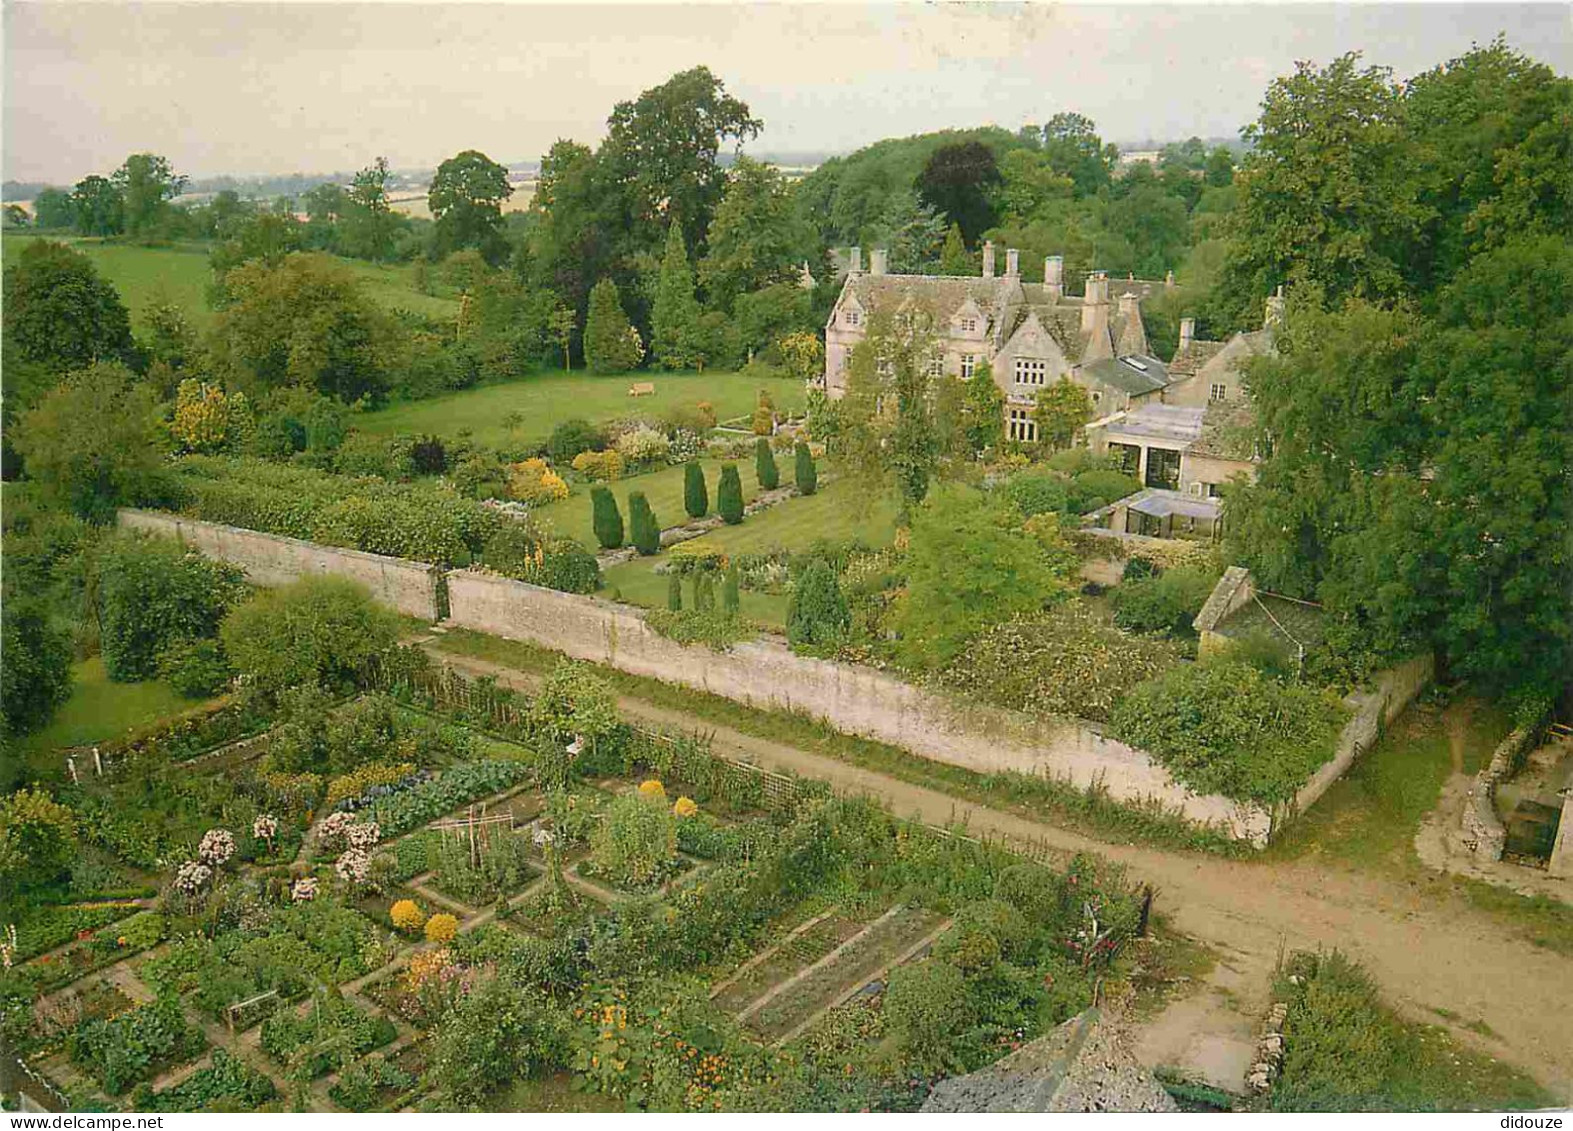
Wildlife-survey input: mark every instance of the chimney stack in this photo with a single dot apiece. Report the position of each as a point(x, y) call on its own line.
point(1275, 309)
point(1095, 302)
point(1054, 277)
point(988, 259)
point(1012, 263)
point(856, 266)
point(1187, 332)
point(876, 261)
point(1128, 304)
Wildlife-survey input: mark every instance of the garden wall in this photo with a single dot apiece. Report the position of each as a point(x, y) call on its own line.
point(270, 559)
point(853, 699)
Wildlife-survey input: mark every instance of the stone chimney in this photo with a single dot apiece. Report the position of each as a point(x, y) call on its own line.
point(1095, 303)
point(1012, 263)
point(1187, 333)
point(1129, 305)
point(1275, 309)
point(1054, 277)
point(988, 259)
point(855, 267)
point(876, 261)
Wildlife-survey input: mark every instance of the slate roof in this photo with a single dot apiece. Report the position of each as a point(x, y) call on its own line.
point(946, 293)
point(1161, 422)
point(1292, 622)
point(1226, 430)
point(1189, 360)
point(1130, 374)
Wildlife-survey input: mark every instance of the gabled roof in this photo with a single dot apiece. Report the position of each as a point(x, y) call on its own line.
point(1132, 374)
point(1190, 359)
point(946, 293)
point(1226, 430)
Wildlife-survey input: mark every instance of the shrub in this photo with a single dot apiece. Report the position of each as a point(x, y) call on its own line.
point(37, 837)
point(644, 530)
point(611, 344)
point(385, 456)
point(729, 496)
point(1098, 488)
point(195, 668)
point(441, 928)
point(805, 474)
point(497, 1033)
point(716, 630)
point(153, 592)
point(606, 519)
point(1136, 569)
point(131, 1047)
point(637, 839)
point(406, 916)
point(817, 614)
point(606, 467)
point(731, 598)
point(926, 1006)
point(1221, 726)
point(765, 468)
point(764, 419)
point(35, 678)
point(429, 456)
point(316, 630)
point(520, 550)
point(1165, 603)
point(696, 497)
point(642, 445)
point(531, 481)
point(571, 437)
point(674, 592)
point(1037, 492)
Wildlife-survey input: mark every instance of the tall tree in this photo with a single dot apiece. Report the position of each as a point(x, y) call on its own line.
point(756, 238)
point(888, 431)
point(1074, 149)
point(369, 222)
point(662, 149)
point(611, 344)
point(1061, 411)
point(465, 197)
point(147, 183)
point(100, 207)
point(953, 257)
point(959, 181)
point(53, 210)
point(675, 315)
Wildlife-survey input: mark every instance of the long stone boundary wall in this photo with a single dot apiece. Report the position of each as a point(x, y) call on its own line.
point(1484, 833)
point(853, 699)
point(765, 673)
point(271, 559)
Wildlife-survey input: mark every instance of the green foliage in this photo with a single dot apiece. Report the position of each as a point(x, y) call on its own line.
point(457, 785)
point(696, 497)
point(134, 1046)
point(804, 474)
point(1166, 603)
point(674, 317)
point(330, 1034)
point(520, 550)
point(611, 344)
point(635, 846)
point(37, 838)
point(153, 594)
point(644, 530)
point(926, 1006)
point(765, 469)
point(570, 438)
point(466, 196)
point(1067, 662)
point(1034, 492)
point(607, 519)
point(756, 240)
point(60, 315)
point(817, 616)
point(983, 410)
point(969, 566)
point(497, 1033)
point(731, 598)
point(316, 630)
point(35, 679)
point(228, 1084)
point(1061, 411)
point(195, 668)
point(90, 442)
point(1221, 726)
point(1097, 487)
point(729, 495)
point(716, 629)
point(674, 592)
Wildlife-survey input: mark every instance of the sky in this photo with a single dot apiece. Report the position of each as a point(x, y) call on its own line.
point(255, 89)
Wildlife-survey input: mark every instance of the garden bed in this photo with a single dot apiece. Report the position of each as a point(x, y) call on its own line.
point(328, 1031)
point(380, 1082)
point(791, 956)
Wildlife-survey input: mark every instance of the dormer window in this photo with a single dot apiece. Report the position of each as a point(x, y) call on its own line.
point(852, 317)
point(969, 325)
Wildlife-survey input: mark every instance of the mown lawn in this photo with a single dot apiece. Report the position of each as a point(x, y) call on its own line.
point(832, 514)
point(664, 489)
point(100, 709)
point(547, 399)
point(148, 276)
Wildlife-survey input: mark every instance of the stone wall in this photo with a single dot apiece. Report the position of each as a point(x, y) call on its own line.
point(1483, 831)
point(1394, 690)
point(270, 559)
point(851, 698)
point(1234, 590)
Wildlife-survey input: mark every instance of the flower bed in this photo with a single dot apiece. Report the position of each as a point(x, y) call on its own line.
point(131, 936)
point(135, 1046)
point(47, 927)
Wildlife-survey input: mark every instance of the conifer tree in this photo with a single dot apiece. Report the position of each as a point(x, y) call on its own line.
point(696, 496)
point(731, 596)
point(605, 518)
point(674, 320)
point(817, 616)
point(704, 592)
point(953, 257)
point(645, 532)
point(729, 496)
point(804, 472)
point(765, 465)
point(611, 344)
point(674, 591)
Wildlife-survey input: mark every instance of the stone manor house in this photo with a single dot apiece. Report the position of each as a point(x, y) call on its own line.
point(1174, 424)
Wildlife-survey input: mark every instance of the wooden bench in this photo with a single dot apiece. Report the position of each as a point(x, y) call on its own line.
point(642, 389)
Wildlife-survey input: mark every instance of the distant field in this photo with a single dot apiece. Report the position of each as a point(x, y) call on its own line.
point(416, 205)
point(831, 514)
point(148, 276)
point(664, 490)
point(548, 399)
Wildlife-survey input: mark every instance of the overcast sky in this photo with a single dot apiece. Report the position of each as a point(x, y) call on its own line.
point(279, 88)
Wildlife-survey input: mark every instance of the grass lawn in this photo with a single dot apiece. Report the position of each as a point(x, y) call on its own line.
point(664, 489)
point(548, 399)
point(100, 709)
point(796, 524)
point(147, 276)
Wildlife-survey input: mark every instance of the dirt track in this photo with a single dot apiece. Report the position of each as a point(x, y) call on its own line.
point(1422, 952)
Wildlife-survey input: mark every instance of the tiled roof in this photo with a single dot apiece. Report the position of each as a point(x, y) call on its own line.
point(1227, 428)
point(1293, 622)
point(945, 292)
point(1190, 359)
